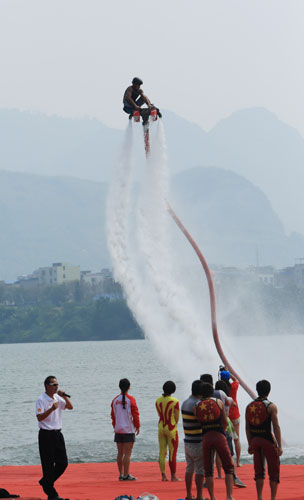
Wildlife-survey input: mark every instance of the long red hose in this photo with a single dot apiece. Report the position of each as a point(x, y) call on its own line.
point(210, 283)
point(212, 303)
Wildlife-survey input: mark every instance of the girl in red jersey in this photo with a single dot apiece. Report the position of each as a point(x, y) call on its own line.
point(125, 421)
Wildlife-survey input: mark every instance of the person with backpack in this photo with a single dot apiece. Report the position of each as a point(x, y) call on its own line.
point(210, 412)
point(261, 420)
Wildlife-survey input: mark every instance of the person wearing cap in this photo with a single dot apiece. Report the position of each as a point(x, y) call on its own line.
point(261, 420)
point(134, 97)
point(49, 407)
point(234, 412)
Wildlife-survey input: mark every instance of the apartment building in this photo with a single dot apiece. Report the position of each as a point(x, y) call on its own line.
point(57, 274)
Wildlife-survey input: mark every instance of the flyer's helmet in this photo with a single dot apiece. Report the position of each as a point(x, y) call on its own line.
point(137, 81)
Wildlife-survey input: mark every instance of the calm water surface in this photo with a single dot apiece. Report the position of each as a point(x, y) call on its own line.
point(90, 372)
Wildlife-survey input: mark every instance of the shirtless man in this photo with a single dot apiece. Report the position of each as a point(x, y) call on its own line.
point(261, 419)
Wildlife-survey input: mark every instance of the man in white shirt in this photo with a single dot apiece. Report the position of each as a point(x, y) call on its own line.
point(52, 450)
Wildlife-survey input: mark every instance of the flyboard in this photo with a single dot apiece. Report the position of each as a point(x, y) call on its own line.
point(152, 114)
point(146, 115)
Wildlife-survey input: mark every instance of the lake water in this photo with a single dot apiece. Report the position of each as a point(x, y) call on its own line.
point(90, 372)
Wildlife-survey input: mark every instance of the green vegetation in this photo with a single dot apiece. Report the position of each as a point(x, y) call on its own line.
point(63, 313)
point(77, 311)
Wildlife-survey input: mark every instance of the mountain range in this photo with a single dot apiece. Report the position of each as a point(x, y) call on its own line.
point(51, 219)
point(251, 142)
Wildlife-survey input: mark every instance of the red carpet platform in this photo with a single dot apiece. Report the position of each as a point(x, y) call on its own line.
point(99, 481)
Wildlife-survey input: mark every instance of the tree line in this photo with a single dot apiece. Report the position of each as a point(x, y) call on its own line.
point(68, 312)
point(76, 311)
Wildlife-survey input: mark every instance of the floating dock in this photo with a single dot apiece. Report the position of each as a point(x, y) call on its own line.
point(99, 481)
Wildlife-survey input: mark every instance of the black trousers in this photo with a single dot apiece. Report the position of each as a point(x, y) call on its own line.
point(53, 457)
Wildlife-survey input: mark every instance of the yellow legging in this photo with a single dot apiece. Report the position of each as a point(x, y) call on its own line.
point(167, 439)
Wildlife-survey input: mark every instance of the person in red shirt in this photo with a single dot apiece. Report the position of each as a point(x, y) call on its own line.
point(264, 439)
point(234, 412)
point(125, 421)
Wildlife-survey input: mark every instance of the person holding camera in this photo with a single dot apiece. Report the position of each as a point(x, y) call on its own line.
point(234, 412)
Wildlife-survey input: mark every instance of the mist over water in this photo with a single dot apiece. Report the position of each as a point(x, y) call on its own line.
point(166, 289)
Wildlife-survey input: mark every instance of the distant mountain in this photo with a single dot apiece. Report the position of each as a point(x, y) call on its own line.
point(257, 145)
point(51, 145)
point(82, 147)
point(252, 142)
point(232, 220)
point(50, 219)
point(53, 219)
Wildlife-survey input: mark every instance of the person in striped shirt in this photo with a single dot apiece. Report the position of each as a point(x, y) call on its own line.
point(193, 442)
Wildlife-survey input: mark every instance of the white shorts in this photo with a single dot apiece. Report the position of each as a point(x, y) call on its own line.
point(194, 458)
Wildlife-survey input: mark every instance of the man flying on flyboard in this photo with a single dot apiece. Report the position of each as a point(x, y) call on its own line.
point(134, 98)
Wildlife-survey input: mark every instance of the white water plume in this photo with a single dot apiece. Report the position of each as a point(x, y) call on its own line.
point(128, 268)
point(142, 264)
point(154, 229)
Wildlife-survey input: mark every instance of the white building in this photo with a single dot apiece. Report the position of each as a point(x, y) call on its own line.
point(92, 279)
point(57, 274)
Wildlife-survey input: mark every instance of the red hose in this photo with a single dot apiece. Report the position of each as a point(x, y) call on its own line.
point(212, 302)
point(210, 283)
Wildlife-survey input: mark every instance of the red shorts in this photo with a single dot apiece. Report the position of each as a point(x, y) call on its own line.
point(216, 441)
point(264, 449)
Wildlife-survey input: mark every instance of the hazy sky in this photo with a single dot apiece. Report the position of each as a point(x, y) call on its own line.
point(202, 59)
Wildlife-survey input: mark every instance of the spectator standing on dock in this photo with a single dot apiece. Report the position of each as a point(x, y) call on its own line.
point(125, 421)
point(49, 407)
point(167, 408)
point(210, 412)
point(234, 412)
point(261, 420)
point(193, 443)
point(230, 433)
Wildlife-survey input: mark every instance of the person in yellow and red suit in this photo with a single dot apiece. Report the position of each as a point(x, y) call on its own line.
point(167, 408)
point(211, 414)
point(261, 418)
